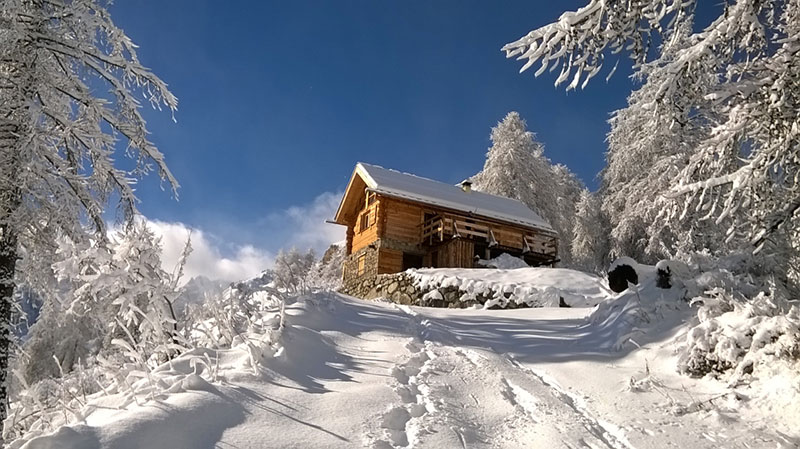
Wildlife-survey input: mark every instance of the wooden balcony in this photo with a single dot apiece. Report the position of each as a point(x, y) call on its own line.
point(442, 228)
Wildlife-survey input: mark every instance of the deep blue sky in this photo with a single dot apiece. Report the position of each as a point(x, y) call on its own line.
point(279, 100)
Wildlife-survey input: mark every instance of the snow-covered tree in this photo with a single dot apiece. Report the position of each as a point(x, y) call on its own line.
point(292, 270)
point(516, 167)
point(567, 190)
point(748, 159)
point(649, 144)
point(327, 271)
point(122, 290)
point(589, 246)
point(59, 131)
point(513, 162)
point(115, 303)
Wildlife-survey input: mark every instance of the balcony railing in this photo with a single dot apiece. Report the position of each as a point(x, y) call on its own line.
point(440, 228)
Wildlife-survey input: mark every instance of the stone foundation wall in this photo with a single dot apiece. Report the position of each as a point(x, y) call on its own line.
point(397, 287)
point(400, 288)
point(350, 276)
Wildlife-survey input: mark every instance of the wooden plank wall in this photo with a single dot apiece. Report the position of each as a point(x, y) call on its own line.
point(362, 239)
point(403, 220)
point(507, 236)
point(390, 261)
point(457, 253)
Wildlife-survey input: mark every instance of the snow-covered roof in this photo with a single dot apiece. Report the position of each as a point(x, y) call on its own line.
point(423, 190)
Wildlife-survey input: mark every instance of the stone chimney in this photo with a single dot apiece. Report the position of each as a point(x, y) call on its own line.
point(466, 185)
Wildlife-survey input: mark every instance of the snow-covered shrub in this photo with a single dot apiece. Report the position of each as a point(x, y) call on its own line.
point(123, 286)
point(43, 406)
point(326, 273)
point(249, 317)
point(738, 337)
point(111, 317)
point(292, 270)
point(222, 320)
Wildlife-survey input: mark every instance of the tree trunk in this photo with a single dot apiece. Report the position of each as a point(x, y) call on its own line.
point(10, 200)
point(8, 263)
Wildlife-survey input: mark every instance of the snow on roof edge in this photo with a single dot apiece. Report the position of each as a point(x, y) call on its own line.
point(533, 220)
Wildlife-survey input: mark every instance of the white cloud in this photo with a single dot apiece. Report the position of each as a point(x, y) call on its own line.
point(214, 257)
point(304, 226)
point(206, 259)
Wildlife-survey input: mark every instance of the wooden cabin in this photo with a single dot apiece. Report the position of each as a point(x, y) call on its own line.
point(397, 221)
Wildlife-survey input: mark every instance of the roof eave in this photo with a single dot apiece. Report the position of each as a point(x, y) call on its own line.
point(477, 214)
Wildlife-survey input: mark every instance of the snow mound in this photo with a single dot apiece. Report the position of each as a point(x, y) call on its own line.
point(533, 287)
point(642, 270)
point(504, 262)
point(636, 312)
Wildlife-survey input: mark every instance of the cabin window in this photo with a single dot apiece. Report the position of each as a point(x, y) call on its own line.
point(362, 264)
point(365, 221)
point(370, 198)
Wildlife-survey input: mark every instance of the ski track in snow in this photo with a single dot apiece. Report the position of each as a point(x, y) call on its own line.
point(610, 434)
point(459, 397)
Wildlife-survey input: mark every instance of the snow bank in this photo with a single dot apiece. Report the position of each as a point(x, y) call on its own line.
point(533, 287)
point(739, 334)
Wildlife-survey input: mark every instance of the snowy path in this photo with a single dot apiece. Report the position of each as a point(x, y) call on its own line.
point(461, 397)
point(369, 374)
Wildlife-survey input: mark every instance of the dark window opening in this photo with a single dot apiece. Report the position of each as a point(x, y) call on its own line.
point(495, 252)
point(480, 250)
point(411, 261)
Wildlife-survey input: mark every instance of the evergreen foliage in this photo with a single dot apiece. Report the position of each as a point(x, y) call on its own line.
point(517, 168)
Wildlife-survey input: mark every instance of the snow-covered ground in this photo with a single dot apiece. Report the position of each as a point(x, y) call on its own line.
point(350, 373)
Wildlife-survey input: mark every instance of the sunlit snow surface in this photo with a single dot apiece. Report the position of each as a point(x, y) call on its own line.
point(353, 373)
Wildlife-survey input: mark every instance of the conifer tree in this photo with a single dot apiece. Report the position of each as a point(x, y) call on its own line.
point(590, 244)
point(648, 146)
point(517, 168)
